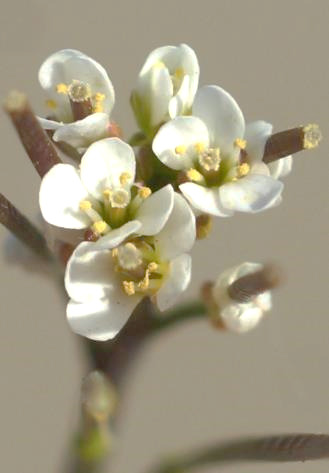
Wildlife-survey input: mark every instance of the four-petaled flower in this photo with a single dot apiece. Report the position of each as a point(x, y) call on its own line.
point(80, 97)
point(105, 285)
point(236, 316)
point(166, 86)
point(102, 195)
point(220, 156)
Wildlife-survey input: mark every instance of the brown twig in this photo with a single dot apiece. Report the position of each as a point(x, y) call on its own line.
point(22, 228)
point(38, 146)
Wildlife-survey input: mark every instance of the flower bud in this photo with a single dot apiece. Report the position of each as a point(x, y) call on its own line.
point(166, 86)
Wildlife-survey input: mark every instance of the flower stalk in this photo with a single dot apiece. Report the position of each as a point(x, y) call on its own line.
point(35, 141)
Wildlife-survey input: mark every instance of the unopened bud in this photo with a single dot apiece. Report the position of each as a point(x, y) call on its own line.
point(203, 226)
point(98, 396)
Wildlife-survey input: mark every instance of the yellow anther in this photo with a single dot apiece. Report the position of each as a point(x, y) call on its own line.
point(144, 192)
point(61, 88)
point(312, 136)
point(199, 147)
point(125, 177)
point(114, 253)
point(179, 73)
point(51, 103)
point(85, 205)
point(243, 169)
point(129, 287)
point(159, 64)
point(240, 143)
point(180, 149)
point(194, 175)
point(153, 266)
point(145, 282)
point(99, 227)
point(107, 193)
point(98, 105)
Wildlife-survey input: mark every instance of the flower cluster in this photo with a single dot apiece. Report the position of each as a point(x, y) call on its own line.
point(139, 203)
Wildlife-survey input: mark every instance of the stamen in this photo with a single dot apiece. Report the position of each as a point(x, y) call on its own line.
point(62, 89)
point(145, 282)
point(159, 64)
point(240, 143)
point(195, 176)
point(86, 206)
point(144, 192)
point(152, 267)
point(124, 178)
point(128, 287)
point(180, 149)
point(129, 257)
point(98, 102)
point(210, 160)
point(51, 104)
point(100, 227)
point(243, 169)
point(199, 147)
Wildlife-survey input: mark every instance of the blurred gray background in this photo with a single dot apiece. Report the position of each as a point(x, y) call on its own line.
point(193, 385)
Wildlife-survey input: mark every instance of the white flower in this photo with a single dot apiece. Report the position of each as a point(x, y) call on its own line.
point(102, 195)
point(237, 316)
point(166, 86)
point(219, 155)
point(71, 74)
point(105, 286)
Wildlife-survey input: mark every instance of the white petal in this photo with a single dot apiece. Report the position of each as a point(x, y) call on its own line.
point(252, 193)
point(178, 104)
point(240, 318)
point(117, 236)
point(49, 124)
point(104, 162)
point(159, 54)
point(155, 210)
point(89, 274)
point(177, 281)
point(60, 194)
point(182, 131)
point(223, 117)
point(281, 168)
point(204, 199)
point(101, 320)
point(178, 235)
point(67, 65)
point(161, 91)
point(257, 133)
point(82, 133)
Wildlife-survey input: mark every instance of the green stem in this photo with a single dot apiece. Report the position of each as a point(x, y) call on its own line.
point(181, 313)
point(279, 448)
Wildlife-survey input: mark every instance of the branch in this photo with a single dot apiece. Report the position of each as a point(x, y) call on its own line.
point(23, 229)
point(35, 141)
point(279, 448)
